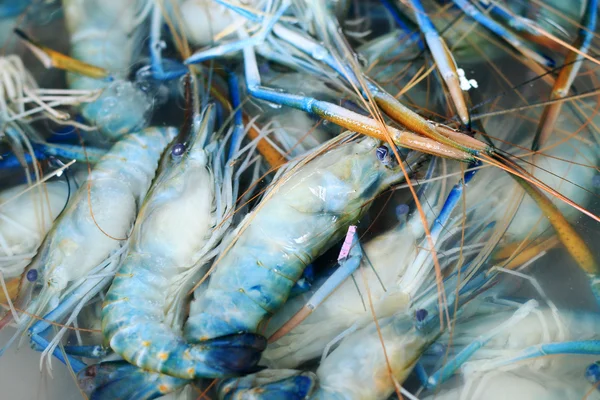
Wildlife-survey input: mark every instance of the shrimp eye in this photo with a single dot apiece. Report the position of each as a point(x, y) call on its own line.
point(383, 154)
point(32, 275)
point(178, 149)
point(91, 371)
point(421, 314)
point(592, 373)
point(402, 209)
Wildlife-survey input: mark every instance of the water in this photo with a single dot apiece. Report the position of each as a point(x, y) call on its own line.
point(556, 272)
point(21, 378)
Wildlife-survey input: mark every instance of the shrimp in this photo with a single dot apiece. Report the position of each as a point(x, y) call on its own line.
point(512, 221)
point(388, 258)
point(105, 34)
point(122, 178)
point(305, 213)
point(140, 294)
point(344, 308)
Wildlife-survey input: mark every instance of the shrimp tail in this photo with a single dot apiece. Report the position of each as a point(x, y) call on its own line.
point(225, 356)
point(121, 380)
point(269, 385)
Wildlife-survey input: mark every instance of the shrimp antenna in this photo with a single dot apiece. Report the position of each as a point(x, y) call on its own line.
point(54, 59)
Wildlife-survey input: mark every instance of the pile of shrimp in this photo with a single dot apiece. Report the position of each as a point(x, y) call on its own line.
point(301, 199)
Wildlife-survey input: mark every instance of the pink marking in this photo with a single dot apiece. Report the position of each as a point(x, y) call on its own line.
point(347, 242)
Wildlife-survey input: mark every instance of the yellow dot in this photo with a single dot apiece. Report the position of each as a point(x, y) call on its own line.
point(163, 388)
point(163, 356)
point(191, 371)
point(145, 343)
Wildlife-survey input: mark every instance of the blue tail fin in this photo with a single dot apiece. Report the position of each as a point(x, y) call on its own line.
point(121, 380)
point(269, 385)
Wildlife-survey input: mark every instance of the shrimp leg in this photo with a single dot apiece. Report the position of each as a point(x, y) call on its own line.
point(567, 74)
point(444, 61)
point(348, 265)
point(343, 117)
point(45, 151)
point(174, 70)
point(396, 110)
point(483, 19)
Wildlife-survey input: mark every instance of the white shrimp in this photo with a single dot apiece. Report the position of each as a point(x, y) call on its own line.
point(101, 212)
point(105, 33)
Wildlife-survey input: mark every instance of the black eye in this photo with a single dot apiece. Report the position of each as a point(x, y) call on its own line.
point(32, 275)
point(383, 155)
point(91, 371)
point(178, 149)
point(421, 314)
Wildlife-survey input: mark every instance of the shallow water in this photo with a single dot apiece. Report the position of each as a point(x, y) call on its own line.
point(557, 273)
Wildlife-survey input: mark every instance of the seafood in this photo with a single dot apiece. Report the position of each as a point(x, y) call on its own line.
point(105, 34)
point(304, 214)
point(140, 296)
point(515, 221)
point(302, 120)
point(386, 258)
point(344, 307)
point(64, 259)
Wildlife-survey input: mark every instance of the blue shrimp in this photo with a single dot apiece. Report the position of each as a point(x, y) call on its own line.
point(139, 296)
point(386, 258)
point(65, 258)
point(105, 33)
point(306, 211)
point(189, 254)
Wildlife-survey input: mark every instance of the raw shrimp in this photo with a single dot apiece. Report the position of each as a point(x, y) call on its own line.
point(485, 231)
point(306, 211)
point(162, 259)
point(106, 34)
point(101, 213)
point(344, 307)
point(386, 258)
